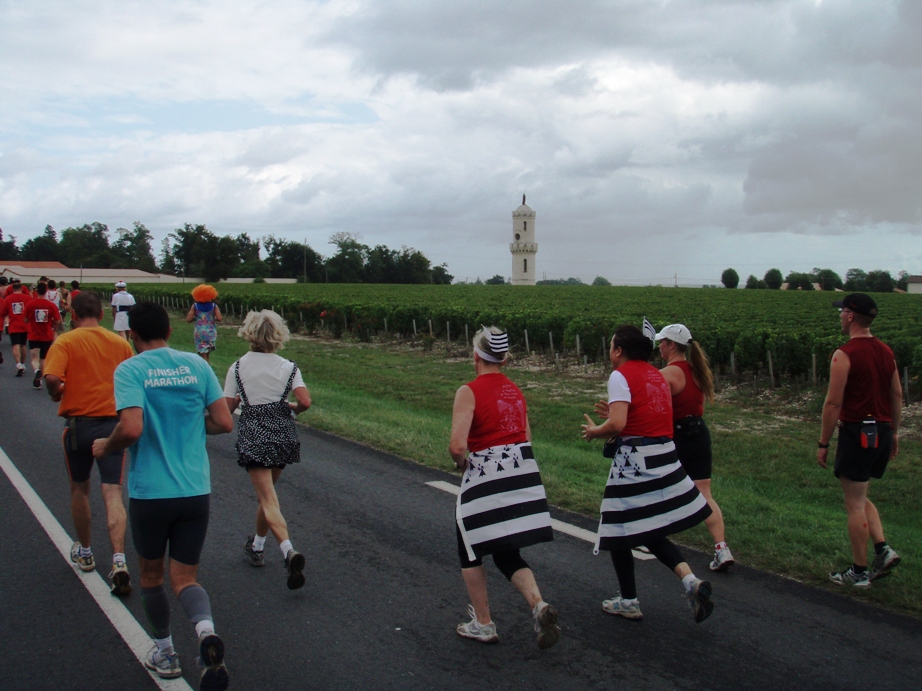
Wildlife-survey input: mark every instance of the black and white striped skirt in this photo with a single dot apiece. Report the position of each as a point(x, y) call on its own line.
point(648, 495)
point(502, 504)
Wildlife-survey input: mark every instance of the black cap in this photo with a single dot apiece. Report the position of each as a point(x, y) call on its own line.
point(859, 303)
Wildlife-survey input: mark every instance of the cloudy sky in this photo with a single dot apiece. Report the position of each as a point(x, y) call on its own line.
point(654, 139)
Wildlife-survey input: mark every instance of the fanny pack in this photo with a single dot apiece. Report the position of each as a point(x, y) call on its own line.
point(688, 427)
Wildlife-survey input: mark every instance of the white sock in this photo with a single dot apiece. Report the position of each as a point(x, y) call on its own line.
point(259, 543)
point(86, 551)
point(719, 546)
point(541, 605)
point(688, 580)
point(164, 645)
point(117, 557)
point(204, 626)
point(286, 547)
point(629, 601)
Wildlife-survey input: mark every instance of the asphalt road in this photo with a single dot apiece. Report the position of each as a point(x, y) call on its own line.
point(384, 594)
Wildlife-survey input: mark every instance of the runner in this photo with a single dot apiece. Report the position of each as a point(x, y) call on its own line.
point(267, 441)
point(2, 318)
point(78, 373)
point(648, 495)
point(42, 319)
point(690, 380)
point(167, 402)
point(502, 505)
point(71, 294)
point(13, 309)
point(122, 301)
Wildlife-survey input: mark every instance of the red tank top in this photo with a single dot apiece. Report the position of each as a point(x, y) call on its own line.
point(870, 373)
point(499, 413)
point(650, 411)
point(691, 400)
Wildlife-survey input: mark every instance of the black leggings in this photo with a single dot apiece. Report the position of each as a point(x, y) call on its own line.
point(623, 561)
point(508, 561)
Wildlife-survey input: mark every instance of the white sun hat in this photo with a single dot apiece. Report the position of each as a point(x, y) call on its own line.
point(677, 333)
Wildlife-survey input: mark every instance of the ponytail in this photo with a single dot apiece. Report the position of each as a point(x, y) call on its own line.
point(701, 369)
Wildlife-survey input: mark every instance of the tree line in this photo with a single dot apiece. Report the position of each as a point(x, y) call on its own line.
point(193, 250)
point(856, 280)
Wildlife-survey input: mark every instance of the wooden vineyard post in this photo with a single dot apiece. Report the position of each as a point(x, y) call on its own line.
point(467, 337)
point(813, 369)
point(447, 333)
point(556, 361)
point(385, 326)
point(550, 337)
point(733, 364)
point(430, 329)
point(771, 371)
point(414, 328)
point(905, 386)
point(577, 347)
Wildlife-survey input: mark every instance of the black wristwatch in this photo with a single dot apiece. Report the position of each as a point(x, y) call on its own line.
point(822, 445)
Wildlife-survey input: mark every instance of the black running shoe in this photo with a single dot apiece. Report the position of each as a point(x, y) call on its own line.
point(294, 563)
point(37, 379)
point(211, 658)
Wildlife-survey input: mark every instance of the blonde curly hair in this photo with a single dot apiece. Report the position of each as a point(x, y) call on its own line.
point(265, 331)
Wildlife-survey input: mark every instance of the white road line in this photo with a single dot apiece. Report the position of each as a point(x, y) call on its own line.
point(127, 626)
point(571, 530)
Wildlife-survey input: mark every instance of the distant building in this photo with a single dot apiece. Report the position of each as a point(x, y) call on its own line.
point(914, 284)
point(30, 272)
point(523, 246)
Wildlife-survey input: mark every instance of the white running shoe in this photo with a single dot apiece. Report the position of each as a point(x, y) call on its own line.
point(723, 559)
point(629, 609)
point(485, 633)
point(166, 665)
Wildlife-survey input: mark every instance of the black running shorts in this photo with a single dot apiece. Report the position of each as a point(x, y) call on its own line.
point(857, 464)
point(693, 446)
point(42, 347)
point(181, 522)
point(18, 338)
point(78, 438)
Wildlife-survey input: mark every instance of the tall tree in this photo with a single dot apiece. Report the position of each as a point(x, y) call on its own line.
point(753, 283)
point(348, 264)
point(8, 248)
point(798, 280)
point(287, 259)
point(134, 249)
point(730, 278)
point(773, 279)
point(828, 279)
point(440, 275)
point(43, 248)
point(880, 282)
point(856, 279)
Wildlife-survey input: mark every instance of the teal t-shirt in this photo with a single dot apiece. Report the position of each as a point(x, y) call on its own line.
point(173, 389)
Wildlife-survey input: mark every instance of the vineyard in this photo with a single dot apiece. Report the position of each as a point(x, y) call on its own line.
point(741, 329)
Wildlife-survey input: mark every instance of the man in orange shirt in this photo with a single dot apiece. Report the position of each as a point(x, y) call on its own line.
point(42, 319)
point(13, 308)
point(79, 372)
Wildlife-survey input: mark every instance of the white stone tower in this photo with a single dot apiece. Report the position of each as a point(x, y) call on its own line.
point(523, 246)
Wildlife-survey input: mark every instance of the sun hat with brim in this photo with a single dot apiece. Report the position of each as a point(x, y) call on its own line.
point(678, 333)
point(859, 303)
point(121, 284)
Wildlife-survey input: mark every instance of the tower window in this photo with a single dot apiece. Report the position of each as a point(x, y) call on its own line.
point(525, 265)
point(525, 226)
